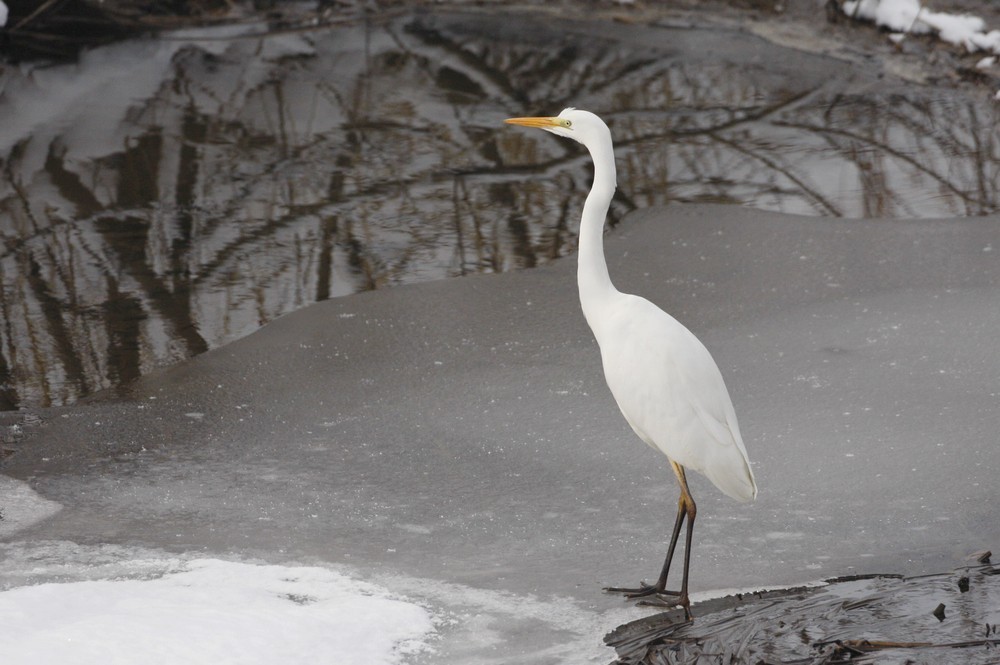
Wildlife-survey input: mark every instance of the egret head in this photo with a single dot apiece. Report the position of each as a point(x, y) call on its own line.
point(582, 126)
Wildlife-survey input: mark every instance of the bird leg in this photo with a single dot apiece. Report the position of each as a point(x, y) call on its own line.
point(661, 584)
point(686, 509)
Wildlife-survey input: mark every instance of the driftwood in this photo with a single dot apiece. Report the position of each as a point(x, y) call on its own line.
point(869, 619)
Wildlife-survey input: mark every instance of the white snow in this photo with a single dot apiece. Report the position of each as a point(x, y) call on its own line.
point(470, 624)
point(212, 612)
point(955, 29)
point(896, 15)
point(909, 16)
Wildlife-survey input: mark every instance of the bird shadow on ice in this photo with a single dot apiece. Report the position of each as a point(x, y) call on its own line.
point(942, 618)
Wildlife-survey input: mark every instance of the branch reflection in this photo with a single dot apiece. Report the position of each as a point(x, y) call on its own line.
point(249, 178)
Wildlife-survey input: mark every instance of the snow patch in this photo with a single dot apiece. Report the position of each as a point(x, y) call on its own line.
point(909, 16)
point(213, 612)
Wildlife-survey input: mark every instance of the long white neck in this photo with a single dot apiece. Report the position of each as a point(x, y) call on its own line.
point(592, 270)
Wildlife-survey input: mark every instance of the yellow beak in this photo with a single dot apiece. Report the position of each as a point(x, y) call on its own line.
point(541, 123)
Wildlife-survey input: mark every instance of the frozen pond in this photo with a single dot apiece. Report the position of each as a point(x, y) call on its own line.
point(451, 443)
point(454, 440)
point(161, 198)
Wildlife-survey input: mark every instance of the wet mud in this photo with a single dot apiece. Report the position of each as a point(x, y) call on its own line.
point(944, 618)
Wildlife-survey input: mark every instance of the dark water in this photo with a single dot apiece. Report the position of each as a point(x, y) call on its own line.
point(160, 198)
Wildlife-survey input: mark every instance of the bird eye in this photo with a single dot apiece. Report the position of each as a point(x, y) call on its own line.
point(567, 124)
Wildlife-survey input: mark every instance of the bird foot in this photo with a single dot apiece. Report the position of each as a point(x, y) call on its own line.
point(654, 597)
point(641, 591)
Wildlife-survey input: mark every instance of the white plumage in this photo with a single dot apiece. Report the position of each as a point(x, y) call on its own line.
point(680, 406)
point(665, 381)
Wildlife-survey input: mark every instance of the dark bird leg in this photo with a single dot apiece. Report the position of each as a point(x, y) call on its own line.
point(686, 509)
point(692, 511)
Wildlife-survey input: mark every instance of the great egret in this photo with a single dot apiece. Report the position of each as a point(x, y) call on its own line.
point(665, 381)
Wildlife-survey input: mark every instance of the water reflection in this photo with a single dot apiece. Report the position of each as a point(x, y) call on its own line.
point(161, 198)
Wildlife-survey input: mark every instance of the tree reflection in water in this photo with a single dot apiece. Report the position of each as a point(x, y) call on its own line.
point(161, 199)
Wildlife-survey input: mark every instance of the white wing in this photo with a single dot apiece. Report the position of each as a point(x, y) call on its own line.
point(672, 393)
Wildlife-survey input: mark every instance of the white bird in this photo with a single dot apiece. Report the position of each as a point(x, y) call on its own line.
point(665, 381)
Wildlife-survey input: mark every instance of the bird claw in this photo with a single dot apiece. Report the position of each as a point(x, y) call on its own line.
point(630, 592)
point(652, 597)
point(641, 591)
point(661, 601)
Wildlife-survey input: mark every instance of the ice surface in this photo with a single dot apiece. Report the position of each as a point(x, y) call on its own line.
point(21, 506)
point(212, 611)
point(455, 439)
